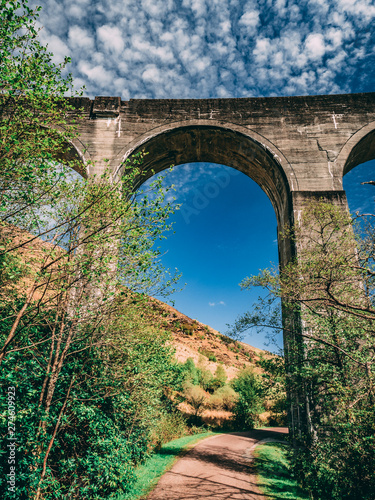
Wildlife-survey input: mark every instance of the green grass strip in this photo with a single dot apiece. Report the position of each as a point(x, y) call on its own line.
point(274, 476)
point(150, 472)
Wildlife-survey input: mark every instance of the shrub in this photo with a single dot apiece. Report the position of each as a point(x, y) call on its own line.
point(187, 328)
point(196, 397)
point(170, 426)
point(205, 378)
point(228, 396)
point(221, 375)
point(250, 402)
point(192, 373)
point(209, 354)
point(216, 402)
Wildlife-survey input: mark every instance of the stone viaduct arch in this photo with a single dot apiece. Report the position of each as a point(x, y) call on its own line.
point(74, 151)
point(234, 146)
point(296, 148)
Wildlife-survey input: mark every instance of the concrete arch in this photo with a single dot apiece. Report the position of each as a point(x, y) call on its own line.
point(358, 149)
point(75, 151)
point(222, 143)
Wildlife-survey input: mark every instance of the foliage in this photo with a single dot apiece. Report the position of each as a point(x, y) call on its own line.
point(224, 398)
point(33, 113)
point(221, 375)
point(328, 309)
point(191, 372)
point(169, 426)
point(196, 397)
point(340, 465)
point(110, 416)
point(209, 354)
point(250, 400)
point(206, 379)
point(273, 384)
point(92, 378)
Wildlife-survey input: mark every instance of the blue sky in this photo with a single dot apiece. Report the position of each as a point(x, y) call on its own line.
point(226, 228)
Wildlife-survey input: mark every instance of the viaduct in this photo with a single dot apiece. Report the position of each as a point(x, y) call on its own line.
point(295, 148)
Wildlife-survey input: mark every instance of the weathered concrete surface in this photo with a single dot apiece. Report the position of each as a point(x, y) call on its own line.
point(310, 132)
point(219, 468)
point(288, 145)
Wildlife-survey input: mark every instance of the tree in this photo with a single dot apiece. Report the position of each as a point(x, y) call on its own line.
point(60, 301)
point(196, 397)
point(327, 295)
point(32, 110)
point(250, 401)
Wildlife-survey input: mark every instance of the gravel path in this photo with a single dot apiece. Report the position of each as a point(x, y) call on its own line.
point(217, 468)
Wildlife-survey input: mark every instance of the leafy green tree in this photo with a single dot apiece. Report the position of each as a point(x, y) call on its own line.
point(327, 295)
point(196, 397)
point(220, 376)
point(249, 405)
point(224, 398)
point(274, 388)
point(32, 110)
point(191, 372)
point(105, 426)
point(80, 374)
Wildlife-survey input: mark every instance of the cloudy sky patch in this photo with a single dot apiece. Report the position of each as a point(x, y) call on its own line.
point(201, 49)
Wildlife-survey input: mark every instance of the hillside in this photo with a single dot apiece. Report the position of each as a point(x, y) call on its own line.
point(193, 339)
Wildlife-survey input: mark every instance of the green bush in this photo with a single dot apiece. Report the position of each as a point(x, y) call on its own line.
point(340, 465)
point(209, 354)
point(196, 397)
point(224, 398)
point(221, 375)
point(205, 379)
point(191, 372)
point(110, 417)
point(169, 427)
point(250, 401)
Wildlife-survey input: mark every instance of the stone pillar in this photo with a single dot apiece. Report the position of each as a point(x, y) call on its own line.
point(299, 411)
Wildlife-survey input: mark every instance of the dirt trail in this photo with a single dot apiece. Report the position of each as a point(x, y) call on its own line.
point(217, 468)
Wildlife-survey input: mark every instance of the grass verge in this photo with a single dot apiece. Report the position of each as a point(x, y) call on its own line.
point(150, 472)
point(274, 476)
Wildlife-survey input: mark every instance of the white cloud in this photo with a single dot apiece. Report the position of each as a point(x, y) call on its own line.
point(80, 38)
point(152, 74)
point(250, 20)
point(57, 46)
point(111, 37)
point(77, 11)
point(197, 6)
point(97, 74)
point(221, 48)
point(315, 46)
point(363, 9)
point(213, 304)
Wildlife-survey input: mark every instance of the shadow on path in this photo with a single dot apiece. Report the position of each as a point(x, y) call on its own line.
point(218, 468)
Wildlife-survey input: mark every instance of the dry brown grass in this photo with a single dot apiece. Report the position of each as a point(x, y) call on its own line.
point(190, 342)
